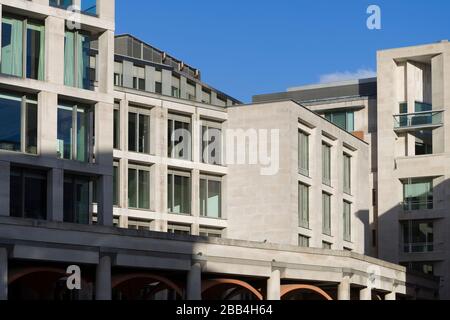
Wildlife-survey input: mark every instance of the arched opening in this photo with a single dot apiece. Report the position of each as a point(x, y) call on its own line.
point(145, 286)
point(45, 283)
point(303, 292)
point(229, 289)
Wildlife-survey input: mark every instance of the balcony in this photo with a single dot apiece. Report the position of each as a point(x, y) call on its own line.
point(425, 247)
point(418, 120)
point(414, 205)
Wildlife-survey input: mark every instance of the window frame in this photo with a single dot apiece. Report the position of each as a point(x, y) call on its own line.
point(207, 179)
point(303, 222)
point(208, 124)
point(304, 171)
point(173, 118)
point(139, 111)
point(139, 168)
point(171, 174)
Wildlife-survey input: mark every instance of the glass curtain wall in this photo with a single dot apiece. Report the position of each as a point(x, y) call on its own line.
point(77, 60)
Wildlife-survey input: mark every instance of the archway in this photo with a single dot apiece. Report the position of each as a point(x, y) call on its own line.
point(303, 292)
point(229, 289)
point(144, 286)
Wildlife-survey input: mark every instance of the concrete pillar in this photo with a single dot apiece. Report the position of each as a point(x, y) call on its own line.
point(166, 82)
point(344, 288)
point(55, 195)
point(106, 9)
point(3, 274)
point(198, 92)
point(54, 49)
point(105, 201)
point(149, 78)
point(365, 294)
point(48, 124)
point(274, 286)
point(127, 74)
point(5, 174)
point(194, 283)
point(105, 62)
point(103, 279)
point(183, 87)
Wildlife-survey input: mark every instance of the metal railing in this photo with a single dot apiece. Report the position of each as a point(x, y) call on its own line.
point(413, 205)
point(424, 247)
point(418, 119)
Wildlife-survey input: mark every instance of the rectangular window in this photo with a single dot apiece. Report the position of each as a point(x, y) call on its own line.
point(116, 184)
point(137, 224)
point(303, 153)
point(138, 187)
point(175, 87)
point(211, 143)
point(210, 232)
point(303, 241)
point(138, 78)
point(64, 4)
point(77, 68)
point(179, 192)
point(418, 194)
point(303, 205)
point(179, 229)
point(75, 133)
point(347, 174)
point(327, 245)
point(179, 137)
point(343, 119)
point(77, 203)
point(191, 91)
point(347, 221)
point(326, 214)
point(23, 47)
point(28, 194)
point(118, 74)
point(158, 80)
point(210, 197)
point(206, 96)
point(116, 120)
point(421, 267)
point(18, 123)
point(326, 164)
point(418, 236)
point(139, 130)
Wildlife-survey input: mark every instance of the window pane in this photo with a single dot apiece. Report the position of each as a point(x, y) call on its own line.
point(116, 185)
point(76, 200)
point(326, 208)
point(31, 128)
point(347, 174)
point(303, 205)
point(12, 47)
point(303, 147)
point(116, 129)
point(35, 197)
point(203, 197)
point(132, 186)
point(340, 119)
point(144, 134)
point(326, 164)
point(15, 194)
point(418, 194)
point(10, 123)
point(35, 51)
point(214, 199)
point(144, 189)
point(347, 221)
point(65, 131)
point(132, 130)
point(82, 134)
point(182, 195)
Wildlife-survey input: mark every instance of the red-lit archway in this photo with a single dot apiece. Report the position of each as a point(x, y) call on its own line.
point(289, 291)
point(227, 289)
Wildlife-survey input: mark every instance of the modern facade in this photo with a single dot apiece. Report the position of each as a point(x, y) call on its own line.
point(116, 157)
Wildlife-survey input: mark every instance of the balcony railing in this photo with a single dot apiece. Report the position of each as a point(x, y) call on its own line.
point(418, 120)
point(414, 205)
point(418, 247)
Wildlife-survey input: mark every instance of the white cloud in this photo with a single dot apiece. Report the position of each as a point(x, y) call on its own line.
point(347, 75)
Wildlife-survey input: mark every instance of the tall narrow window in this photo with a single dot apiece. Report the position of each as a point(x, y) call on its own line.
point(138, 187)
point(179, 137)
point(347, 221)
point(118, 74)
point(179, 192)
point(116, 133)
point(211, 143)
point(139, 130)
point(116, 184)
point(326, 164)
point(303, 153)
point(347, 174)
point(326, 214)
point(74, 132)
point(138, 78)
point(175, 86)
point(210, 197)
point(158, 80)
point(303, 205)
point(77, 203)
point(77, 69)
point(18, 123)
point(28, 195)
point(22, 48)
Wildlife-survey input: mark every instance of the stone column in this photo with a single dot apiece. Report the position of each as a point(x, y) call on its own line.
point(3, 274)
point(54, 49)
point(344, 288)
point(105, 64)
point(103, 279)
point(274, 286)
point(194, 283)
point(365, 294)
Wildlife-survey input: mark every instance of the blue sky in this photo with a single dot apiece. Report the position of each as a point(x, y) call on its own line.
point(248, 47)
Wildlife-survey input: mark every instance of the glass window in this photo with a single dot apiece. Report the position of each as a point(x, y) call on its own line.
point(179, 138)
point(190, 91)
point(347, 174)
point(64, 4)
point(175, 87)
point(179, 229)
point(138, 187)
point(139, 131)
point(118, 74)
point(327, 245)
point(17, 112)
point(116, 126)
point(326, 164)
point(343, 119)
point(15, 34)
point(211, 143)
point(28, 194)
point(418, 236)
point(421, 267)
point(139, 78)
point(179, 193)
point(347, 221)
point(77, 68)
point(74, 132)
point(210, 232)
point(137, 224)
point(77, 204)
point(303, 205)
point(303, 153)
point(303, 241)
point(326, 213)
point(210, 197)
point(418, 194)
point(116, 184)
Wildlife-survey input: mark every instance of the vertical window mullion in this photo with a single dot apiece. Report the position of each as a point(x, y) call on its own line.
point(23, 126)
point(207, 197)
point(74, 132)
